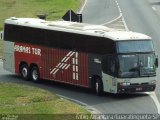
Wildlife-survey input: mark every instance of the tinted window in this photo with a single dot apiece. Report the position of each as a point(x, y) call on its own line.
point(109, 65)
point(137, 65)
point(59, 39)
point(135, 46)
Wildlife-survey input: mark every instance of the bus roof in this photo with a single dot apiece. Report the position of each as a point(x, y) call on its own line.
point(80, 28)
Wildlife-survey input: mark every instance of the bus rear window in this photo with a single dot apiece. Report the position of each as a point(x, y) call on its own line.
point(134, 46)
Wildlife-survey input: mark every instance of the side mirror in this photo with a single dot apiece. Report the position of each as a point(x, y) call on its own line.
point(1, 35)
point(156, 62)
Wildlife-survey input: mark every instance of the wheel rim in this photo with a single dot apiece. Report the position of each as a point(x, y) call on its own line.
point(24, 72)
point(35, 75)
point(97, 87)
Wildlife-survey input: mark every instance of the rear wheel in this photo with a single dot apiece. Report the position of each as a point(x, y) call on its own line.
point(24, 71)
point(99, 86)
point(35, 75)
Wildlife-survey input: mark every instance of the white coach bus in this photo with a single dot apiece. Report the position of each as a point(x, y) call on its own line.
point(91, 56)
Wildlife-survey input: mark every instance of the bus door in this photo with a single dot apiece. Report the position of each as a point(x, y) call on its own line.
point(8, 56)
point(109, 73)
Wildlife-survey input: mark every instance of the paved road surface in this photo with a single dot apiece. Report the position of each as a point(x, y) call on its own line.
point(100, 11)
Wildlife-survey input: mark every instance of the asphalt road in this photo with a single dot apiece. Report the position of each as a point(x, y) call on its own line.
point(139, 16)
point(98, 12)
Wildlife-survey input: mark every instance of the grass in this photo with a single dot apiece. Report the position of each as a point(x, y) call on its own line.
point(23, 100)
point(55, 9)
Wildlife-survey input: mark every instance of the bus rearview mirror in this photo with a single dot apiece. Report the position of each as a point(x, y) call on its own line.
point(1, 35)
point(156, 62)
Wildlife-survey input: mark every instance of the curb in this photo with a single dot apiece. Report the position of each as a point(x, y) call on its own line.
point(89, 108)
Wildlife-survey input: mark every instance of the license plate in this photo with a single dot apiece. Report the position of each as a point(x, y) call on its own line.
point(138, 89)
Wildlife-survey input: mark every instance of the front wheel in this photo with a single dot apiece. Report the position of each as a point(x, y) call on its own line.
point(99, 87)
point(35, 75)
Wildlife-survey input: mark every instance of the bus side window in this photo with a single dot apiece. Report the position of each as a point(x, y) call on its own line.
point(108, 65)
point(112, 67)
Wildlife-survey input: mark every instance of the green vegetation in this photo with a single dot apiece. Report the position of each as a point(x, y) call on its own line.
point(22, 99)
point(55, 9)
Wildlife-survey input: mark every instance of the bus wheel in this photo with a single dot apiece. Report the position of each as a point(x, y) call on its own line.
point(24, 71)
point(35, 75)
point(99, 87)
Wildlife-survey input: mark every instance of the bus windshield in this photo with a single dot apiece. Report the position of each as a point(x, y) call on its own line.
point(137, 65)
point(134, 46)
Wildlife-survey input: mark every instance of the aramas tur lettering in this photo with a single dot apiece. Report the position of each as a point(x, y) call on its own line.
point(28, 50)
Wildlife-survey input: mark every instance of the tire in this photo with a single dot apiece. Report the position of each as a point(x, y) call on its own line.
point(99, 87)
point(35, 75)
point(24, 71)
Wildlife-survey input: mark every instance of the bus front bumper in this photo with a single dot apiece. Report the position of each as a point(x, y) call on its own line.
point(136, 88)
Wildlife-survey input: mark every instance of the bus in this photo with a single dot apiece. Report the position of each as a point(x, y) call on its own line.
point(80, 54)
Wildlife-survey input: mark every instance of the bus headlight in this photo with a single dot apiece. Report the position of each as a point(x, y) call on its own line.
point(128, 83)
point(153, 82)
point(125, 84)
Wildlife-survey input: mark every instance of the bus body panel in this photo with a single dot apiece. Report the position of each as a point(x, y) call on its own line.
point(112, 84)
point(26, 53)
point(65, 66)
point(109, 83)
point(54, 64)
point(142, 84)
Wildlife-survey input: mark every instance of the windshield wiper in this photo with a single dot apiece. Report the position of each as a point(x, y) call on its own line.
point(144, 72)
